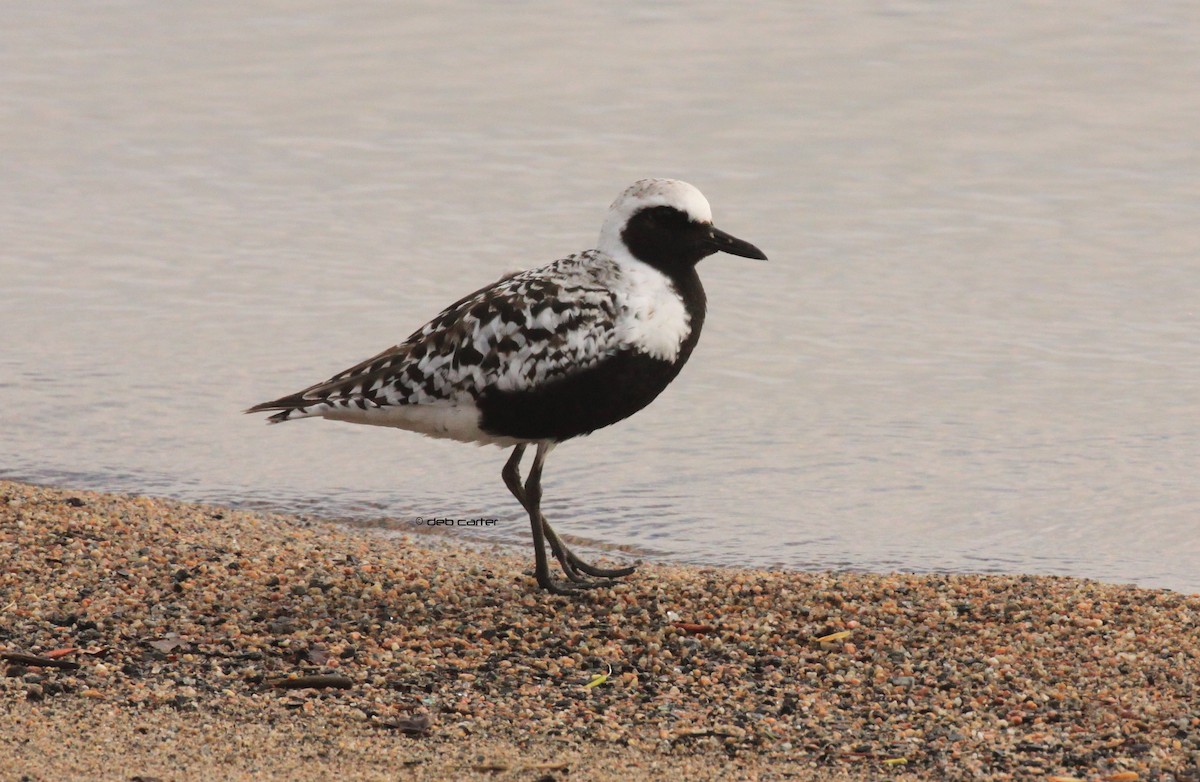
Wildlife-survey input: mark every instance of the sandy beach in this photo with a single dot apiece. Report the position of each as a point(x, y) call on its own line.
point(156, 640)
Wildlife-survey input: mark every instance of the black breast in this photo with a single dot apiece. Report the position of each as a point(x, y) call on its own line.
point(581, 403)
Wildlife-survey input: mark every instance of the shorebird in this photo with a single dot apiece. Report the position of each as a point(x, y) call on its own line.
point(548, 354)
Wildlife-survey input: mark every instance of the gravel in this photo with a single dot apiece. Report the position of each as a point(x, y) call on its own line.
point(151, 639)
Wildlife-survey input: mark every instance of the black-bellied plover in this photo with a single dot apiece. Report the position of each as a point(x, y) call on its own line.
point(548, 354)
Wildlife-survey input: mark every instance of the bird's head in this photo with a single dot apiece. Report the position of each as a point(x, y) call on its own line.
point(667, 224)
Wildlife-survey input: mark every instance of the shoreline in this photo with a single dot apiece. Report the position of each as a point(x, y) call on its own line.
point(185, 619)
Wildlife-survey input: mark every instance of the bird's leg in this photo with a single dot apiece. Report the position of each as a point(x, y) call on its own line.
point(530, 496)
point(512, 479)
point(533, 504)
point(567, 559)
point(512, 475)
point(533, 496)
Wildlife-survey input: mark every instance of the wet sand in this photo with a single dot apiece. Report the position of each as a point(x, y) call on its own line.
point(154, 639)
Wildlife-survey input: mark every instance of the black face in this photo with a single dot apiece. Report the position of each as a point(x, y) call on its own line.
point(667, 239)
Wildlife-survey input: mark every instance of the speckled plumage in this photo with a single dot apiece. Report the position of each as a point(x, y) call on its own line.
point(522, 330)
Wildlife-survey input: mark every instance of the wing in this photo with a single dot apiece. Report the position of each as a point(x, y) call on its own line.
point(522, 331)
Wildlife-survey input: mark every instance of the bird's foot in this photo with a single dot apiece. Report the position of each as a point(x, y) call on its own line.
point(599, 572)
point(576, 585)
point(575, 568)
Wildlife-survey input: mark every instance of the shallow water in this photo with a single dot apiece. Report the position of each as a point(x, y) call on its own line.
point(976, 345)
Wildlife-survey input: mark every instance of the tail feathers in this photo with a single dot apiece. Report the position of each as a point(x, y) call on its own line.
point(289, 407)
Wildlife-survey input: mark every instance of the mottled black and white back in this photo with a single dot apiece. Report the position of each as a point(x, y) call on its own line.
point(551, 353)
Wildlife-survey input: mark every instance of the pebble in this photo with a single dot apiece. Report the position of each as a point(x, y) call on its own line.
point(195, 610)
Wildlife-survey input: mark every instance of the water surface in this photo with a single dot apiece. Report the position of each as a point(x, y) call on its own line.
point(976, 346)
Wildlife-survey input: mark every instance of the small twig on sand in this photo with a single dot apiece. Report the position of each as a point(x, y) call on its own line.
point(316, 682)
point(43, 662)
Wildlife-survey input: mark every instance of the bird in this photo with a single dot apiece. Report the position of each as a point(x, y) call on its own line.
point(546, 355)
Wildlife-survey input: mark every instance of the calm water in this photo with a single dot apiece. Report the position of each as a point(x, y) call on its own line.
point(976, 345)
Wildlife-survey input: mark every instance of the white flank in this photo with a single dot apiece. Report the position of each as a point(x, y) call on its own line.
point(442, 420)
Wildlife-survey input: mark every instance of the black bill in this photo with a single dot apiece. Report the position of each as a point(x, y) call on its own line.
point(733, 245)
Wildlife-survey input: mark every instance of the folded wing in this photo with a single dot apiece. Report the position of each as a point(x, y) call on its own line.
point(523, 331)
